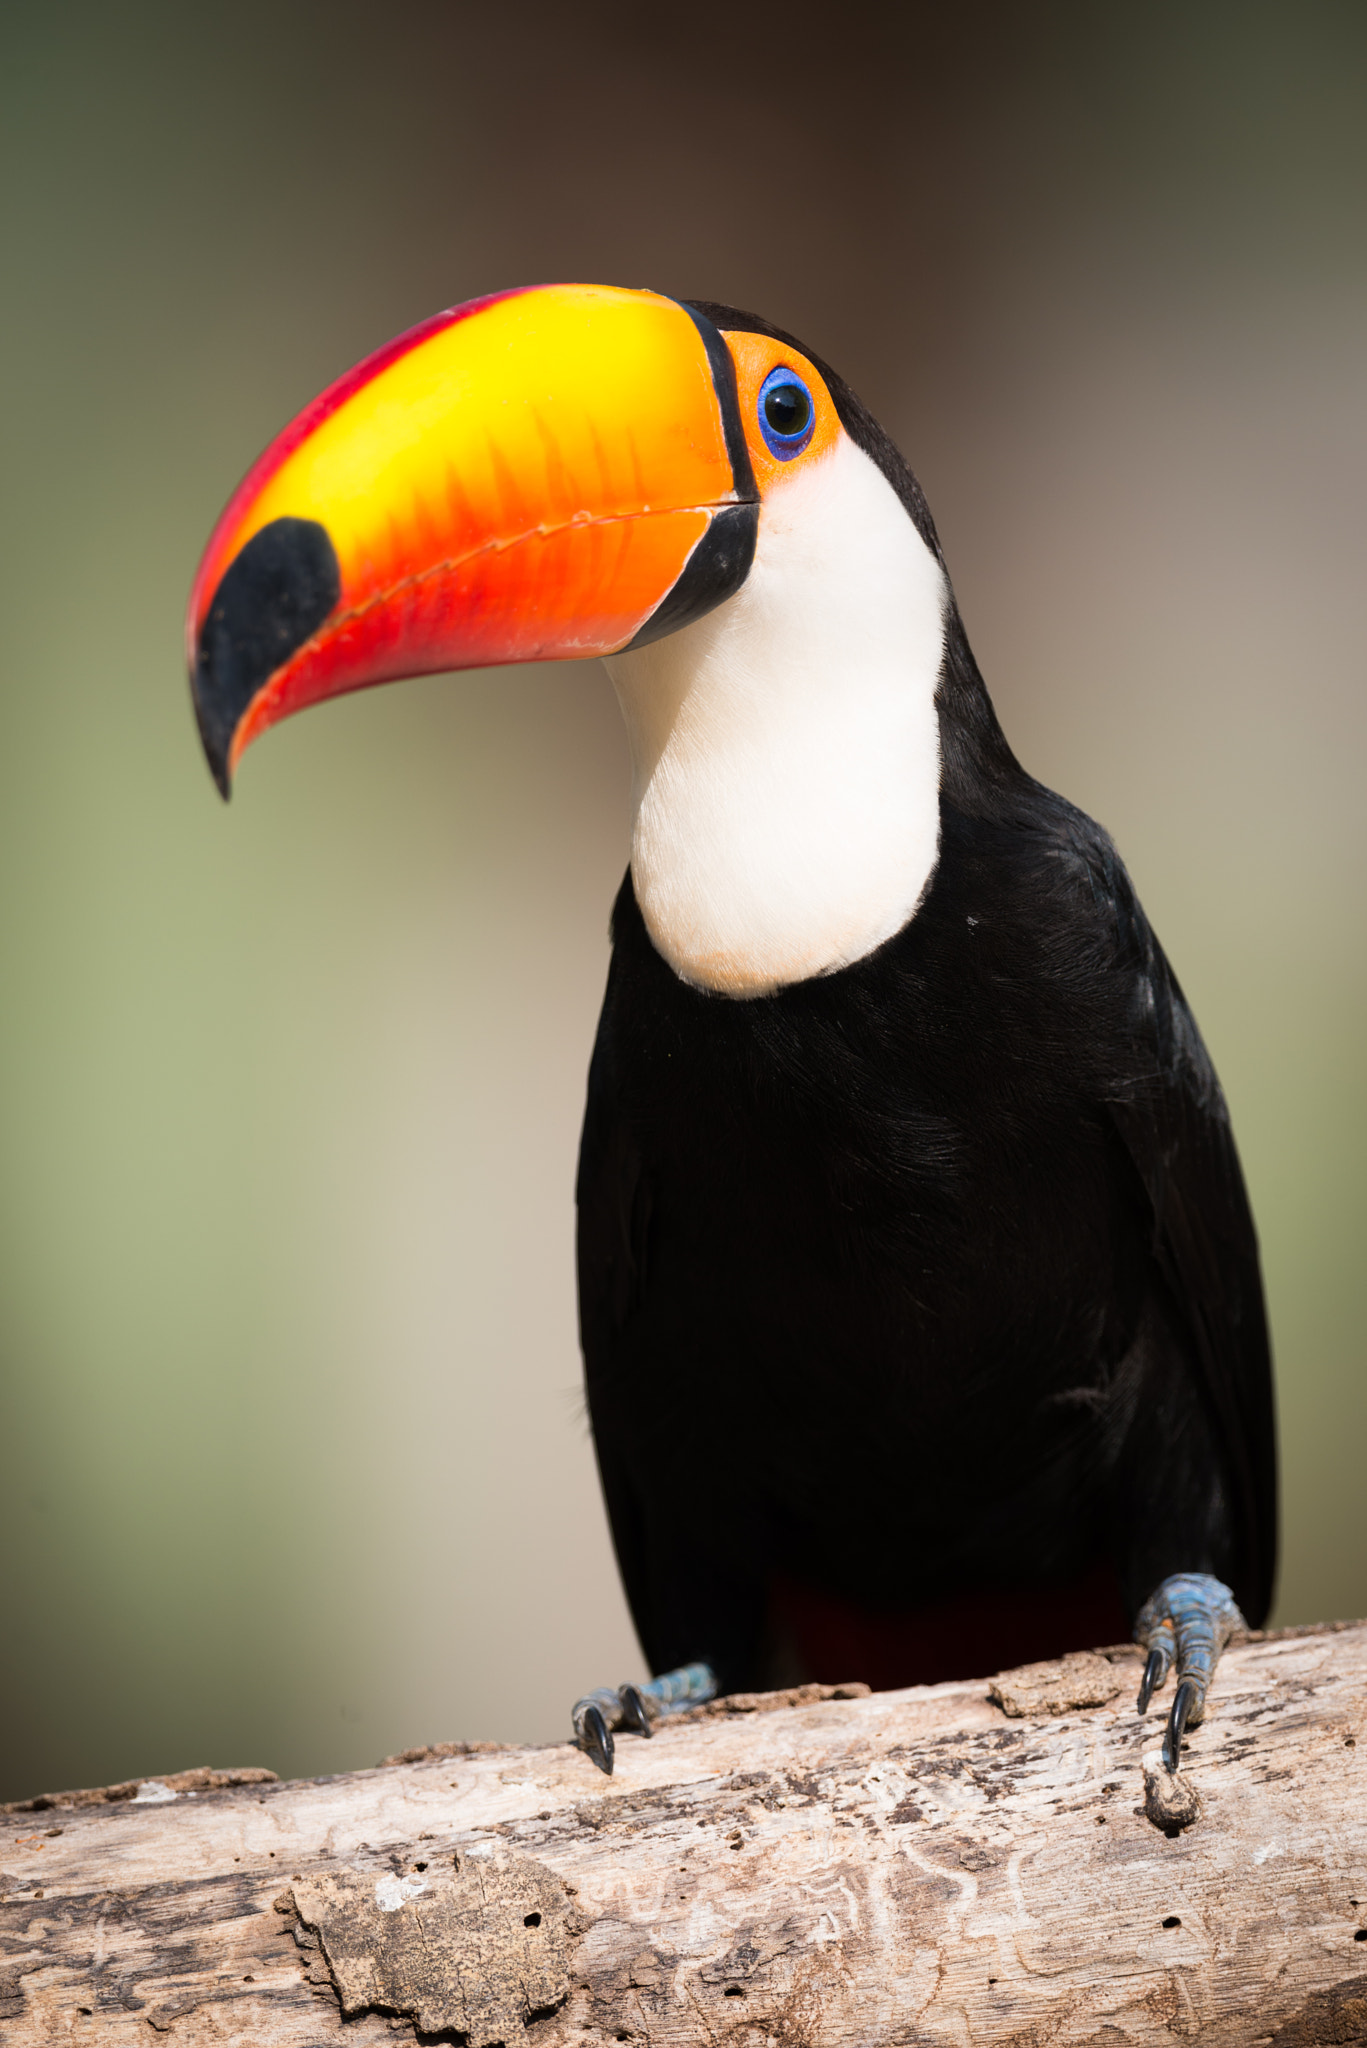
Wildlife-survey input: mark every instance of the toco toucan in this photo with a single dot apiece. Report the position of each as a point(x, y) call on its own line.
point(919, 1293)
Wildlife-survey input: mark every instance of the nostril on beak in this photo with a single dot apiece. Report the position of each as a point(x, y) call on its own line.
point(274, 596)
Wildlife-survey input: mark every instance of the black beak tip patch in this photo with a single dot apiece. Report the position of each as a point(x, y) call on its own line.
point(273, 597)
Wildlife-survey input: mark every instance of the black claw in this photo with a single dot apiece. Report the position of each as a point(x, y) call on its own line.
point(597, 1739)
point(1183, 1700)
point(1154, 1671)
point(634, 1714)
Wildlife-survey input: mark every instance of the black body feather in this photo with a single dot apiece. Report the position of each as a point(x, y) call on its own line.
point(931, 1279)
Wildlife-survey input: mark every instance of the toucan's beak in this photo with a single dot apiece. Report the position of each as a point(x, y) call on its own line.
point(547, 474)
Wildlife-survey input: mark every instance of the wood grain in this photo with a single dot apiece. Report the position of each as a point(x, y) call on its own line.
point(911, 1868)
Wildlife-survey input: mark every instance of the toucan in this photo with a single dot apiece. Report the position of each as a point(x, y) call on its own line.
point(919, 1292)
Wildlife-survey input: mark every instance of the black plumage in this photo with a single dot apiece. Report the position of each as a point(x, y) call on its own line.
point(924, 1296)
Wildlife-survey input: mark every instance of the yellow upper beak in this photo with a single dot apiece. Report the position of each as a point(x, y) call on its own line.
point(524, 478)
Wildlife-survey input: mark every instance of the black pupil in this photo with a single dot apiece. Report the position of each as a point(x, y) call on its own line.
point(788, 409)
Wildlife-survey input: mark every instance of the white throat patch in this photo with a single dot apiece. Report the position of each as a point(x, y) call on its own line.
point(785, 749)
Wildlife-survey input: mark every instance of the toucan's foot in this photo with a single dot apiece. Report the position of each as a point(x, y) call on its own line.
point(637, 1707)
point(595, 1717)
point(1188, 1620)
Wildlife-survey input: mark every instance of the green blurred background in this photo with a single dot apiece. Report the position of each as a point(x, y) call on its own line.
point(295, 1465)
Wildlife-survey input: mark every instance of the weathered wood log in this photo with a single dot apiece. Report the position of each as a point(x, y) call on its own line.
point(913, 1867)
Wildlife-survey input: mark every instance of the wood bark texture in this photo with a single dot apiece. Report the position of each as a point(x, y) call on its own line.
point(923, 1867)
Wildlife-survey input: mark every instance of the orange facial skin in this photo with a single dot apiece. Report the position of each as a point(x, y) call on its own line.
point(524, 478)
point(754, 356)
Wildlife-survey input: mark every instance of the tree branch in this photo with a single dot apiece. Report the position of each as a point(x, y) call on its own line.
point(910, 1867)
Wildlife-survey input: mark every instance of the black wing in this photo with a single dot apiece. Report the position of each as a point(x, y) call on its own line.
point(1170, 1113)
point(613, 1203)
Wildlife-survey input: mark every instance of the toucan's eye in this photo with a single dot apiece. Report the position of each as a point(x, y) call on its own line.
point(786, 413)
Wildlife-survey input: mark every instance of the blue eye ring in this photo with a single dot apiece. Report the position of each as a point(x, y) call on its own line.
point(787, 414)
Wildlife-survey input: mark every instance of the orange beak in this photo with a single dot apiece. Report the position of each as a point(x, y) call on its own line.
point(549, 474)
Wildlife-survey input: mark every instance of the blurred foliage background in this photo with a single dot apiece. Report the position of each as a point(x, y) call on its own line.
point(295, 1466)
